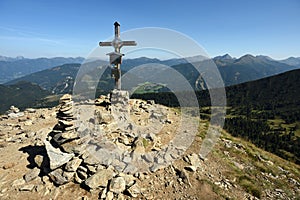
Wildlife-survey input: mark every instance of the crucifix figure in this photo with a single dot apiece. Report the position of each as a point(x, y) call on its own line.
point(115, 58)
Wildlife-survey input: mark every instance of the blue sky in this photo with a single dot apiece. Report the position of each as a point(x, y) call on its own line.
point(73, 28)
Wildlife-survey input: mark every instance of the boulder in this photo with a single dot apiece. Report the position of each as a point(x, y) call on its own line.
point(56, 157)
point(134, 190)
point(100, 178)
point(117, 185)
point(57, 177)
point(73, 164)
point(31, 175)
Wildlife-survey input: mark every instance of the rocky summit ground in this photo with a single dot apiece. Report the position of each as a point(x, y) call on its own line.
point(234, 169)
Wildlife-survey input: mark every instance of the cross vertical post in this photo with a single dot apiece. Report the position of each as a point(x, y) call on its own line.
point(116, 56)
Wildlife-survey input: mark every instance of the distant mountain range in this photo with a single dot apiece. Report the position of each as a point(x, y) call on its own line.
point(248, 68)
point(292, 61)
point(233, 71)
point(5, 58)
point(56, 80)
point(12, 68)
point(283, 87)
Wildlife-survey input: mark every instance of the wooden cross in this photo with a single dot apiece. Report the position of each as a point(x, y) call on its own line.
point(116, 56)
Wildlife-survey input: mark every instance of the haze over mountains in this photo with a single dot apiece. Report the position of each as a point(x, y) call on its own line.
point(12, 68)
point(59, 78)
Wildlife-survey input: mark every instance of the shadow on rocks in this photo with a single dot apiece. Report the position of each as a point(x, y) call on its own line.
point(37, 157)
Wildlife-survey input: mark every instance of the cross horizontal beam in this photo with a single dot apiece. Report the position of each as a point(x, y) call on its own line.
point(123, 43)
point(105, 44)
point(128, 43)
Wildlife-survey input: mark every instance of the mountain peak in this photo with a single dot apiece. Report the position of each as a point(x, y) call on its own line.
point(224, 57)
point(246, 58)
point(5, 58)
point(262, 57)
point(294, 61)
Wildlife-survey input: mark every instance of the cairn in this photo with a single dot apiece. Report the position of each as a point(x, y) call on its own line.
point(64, 131)
point(106, 159)
point(14, 112)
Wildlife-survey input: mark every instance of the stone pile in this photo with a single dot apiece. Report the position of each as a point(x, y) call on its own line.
point(14, 112)
point(64, 131)
point(69, 159)
point(65, 115)
point(107, 146)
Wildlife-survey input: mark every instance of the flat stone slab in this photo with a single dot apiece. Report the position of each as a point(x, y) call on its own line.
point(56, 156)
point(101, 178)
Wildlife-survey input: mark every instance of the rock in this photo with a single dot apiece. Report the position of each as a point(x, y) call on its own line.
point(57, 177)
point(193, 159)
point(82, 175)
point(238, 165)
point(68, 175)
point(148, 157)
point(104, 118)
point(32, 174)
point(130, 168)
point(27, 187)
point(109, 196)
point(73, 146)
point(8, 165)
point(15, 115)
point(129, 179)
point(157, 116)
point(279, 190)
point(77, 178)
point(72, 165)
point(46, 180)
point(183, 175)
point(127, 159)
point(70, 135)
point(150, 102)
point(65, 97)
point(102, 101)
point(38, 159)
point(155, 167)
point(121, 197)
point(92, 169)
point(28, 123)
point(159, 160)
point(56, 156)
point(65, 122)
point(91, 159)
point(134, 190)
point(117, 185)
point(30, 110)
point(168, 121)
point(138, 148)
point(30, 134)
point(103, 193)
point(191, 168)
point(100, 178)
point(13, 109)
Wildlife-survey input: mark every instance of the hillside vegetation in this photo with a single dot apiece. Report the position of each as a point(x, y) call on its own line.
point(265, 112)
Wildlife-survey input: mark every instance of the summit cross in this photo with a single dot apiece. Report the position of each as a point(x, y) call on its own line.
point(116, 56)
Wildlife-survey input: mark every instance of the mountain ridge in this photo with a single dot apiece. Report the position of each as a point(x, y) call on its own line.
point(233, 71)
point(16, 68)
